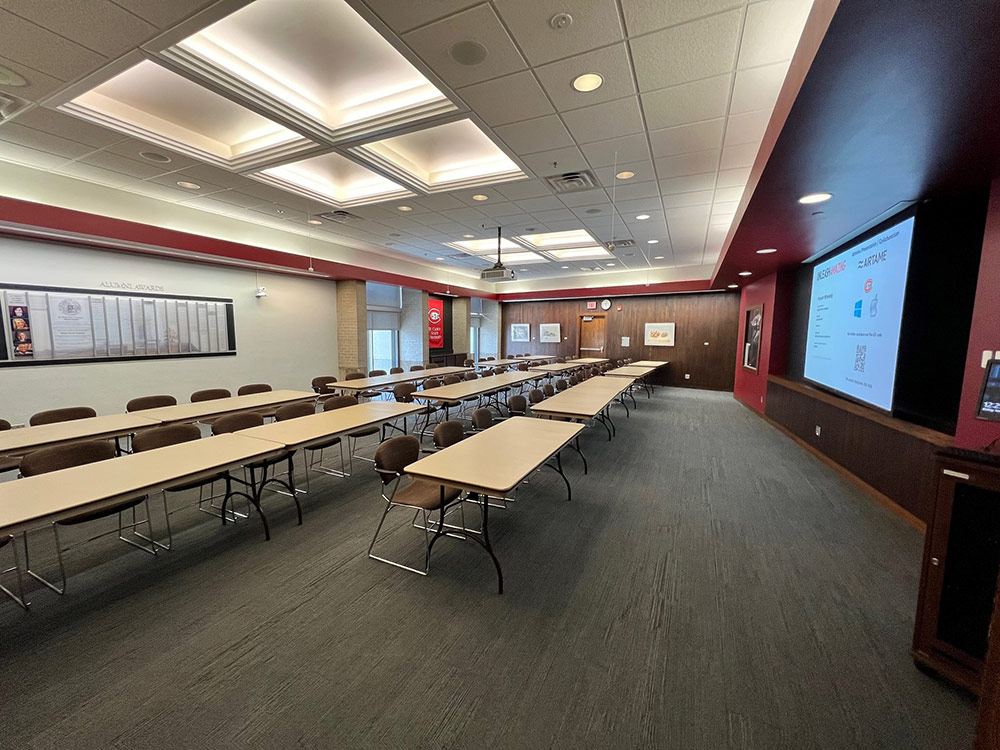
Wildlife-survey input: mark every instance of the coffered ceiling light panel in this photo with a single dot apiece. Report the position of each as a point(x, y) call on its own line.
point(444, 157)
point(556, 240)
point(580, 253)
point(485, 246)
point(152, 103)
point(333, 179)
point(316, 64)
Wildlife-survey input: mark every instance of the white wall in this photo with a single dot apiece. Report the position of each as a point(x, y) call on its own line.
point(284, 339)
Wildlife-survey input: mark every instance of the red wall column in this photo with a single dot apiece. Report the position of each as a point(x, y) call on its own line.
point(774, 293)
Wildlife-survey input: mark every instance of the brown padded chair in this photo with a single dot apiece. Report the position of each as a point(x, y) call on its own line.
point(149, 402)
point(246, 390)
point(448, 433)
point(561, 384)
point(548, 390)
point(536, 396)
point(294, 411)
point(451, 379)
point(482, 419)
point(66, 456)
point(361, 376)
point(517, 405)
point(395, 370)
point(7, 463)
point(314, 453)
point(416, 368)
point(322, 383)
point(422, 496)
point(66, 414)
point(210, 394)
point(403, 393)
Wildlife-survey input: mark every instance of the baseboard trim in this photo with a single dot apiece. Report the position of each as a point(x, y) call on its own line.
point(880, 498)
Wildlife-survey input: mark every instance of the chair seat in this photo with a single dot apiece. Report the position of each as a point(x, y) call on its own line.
point(324, 445)
point(370, 394)
point(365, 432)
point(197, 483)
point(102, 513)
point(9, 463)
point(422, 493)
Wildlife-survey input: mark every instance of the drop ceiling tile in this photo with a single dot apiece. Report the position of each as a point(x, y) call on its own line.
point(643, 171)
point(681, 165)
point(617, 150)
point(563, 226)
point(544, 203)
point(22, 155)
point(523, 189)
point(37, 86)
point(464, 215)
point(44, 50)
point(160, 192)
point(559, 214)
point(748, 127)
point(595, 26)
point(237, 198)
point(757, 88)
point(480, 25)
point(501, 209)
point(93, 174)
point(131, 148)
point(681, 200)
point(688, 184)
point(742, 155)
point(694, 50)
point(729, 194)
point(771, 31)
point(594, 197)
point(72, 128)
point(643, 16)
point(208, 173)
point(438, 202)
point(611, 63)
point(687, 103)
point(277, 211)
point(133, 168)
point(468, 199)
point(685, 139)
point(557, 161)
point(733, 178)
point(603, 121)
point(14, 132)
point(727, 208)
point(162, 14)
point(509, 99)
point(408, 15)
point(100, 26)
point(638, 206)
point(171, 180)
point(532, 136)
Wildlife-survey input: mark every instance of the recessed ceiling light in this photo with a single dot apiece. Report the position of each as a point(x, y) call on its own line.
point(626, 175)
point(480, 197)
point(652, 242)
point(744, 273)
point(278, 210)
point(587, 82)
point(734, 286)
point(314, 221)
point(404, 208)
point(468, 52)
point(188, 185)
point(815, 198)
point(658, 257)
point(564, 266)
point(439, 259)
point(610, 264)
point(642, 217)
point(9, 78)
point(469, 236)
point(767, 251)
point(155, 156)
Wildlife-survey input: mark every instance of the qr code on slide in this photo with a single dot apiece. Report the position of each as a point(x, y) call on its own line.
point(859, 358)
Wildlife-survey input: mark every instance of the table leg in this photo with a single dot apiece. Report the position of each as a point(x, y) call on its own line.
point(557, 467)
point(576, 446)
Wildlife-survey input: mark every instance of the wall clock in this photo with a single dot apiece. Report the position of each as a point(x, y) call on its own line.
point(605, 304)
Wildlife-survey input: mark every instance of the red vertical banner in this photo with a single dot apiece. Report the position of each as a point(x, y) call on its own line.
point(435, 323)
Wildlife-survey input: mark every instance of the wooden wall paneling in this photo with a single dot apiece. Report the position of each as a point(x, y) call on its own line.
point(711, 317)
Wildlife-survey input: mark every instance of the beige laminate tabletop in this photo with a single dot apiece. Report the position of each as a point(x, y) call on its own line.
point(590, 361)
point(467, 388)
point(315, 428)
point(219, 406)
point(32, 501)
point(631, 371)
point(495, 461)
point(499, 362)
point(15, 442)
point(381, 381)
point(582, 401)
point(545, 357)
point(560, 367)
point(649, 363)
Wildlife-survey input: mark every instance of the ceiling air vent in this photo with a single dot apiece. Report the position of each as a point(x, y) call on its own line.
point(10, 105)
point(619, 244)
point(572, 182)
point(341, 217)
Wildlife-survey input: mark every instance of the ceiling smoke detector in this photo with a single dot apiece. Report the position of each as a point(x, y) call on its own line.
point(561, 21)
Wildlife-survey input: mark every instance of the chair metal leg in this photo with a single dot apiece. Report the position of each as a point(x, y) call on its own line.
point(166, 517)
point(136, 522)
point(40, 578)
point(16, 569)
point(425, 571)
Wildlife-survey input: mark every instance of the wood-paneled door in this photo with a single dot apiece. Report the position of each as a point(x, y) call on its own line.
point(593, 330)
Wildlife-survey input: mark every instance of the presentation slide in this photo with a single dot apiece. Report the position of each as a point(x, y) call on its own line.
point(855, 313)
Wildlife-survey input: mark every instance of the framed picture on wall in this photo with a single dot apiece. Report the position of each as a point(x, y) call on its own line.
point(520, 332)
point(549, 333)
point(659, 334)
point(752, 328)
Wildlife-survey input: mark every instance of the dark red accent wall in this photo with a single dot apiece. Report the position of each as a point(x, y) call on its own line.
point(985, 333)
point(774, 293)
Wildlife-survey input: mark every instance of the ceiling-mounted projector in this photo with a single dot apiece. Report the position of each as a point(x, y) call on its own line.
point(499, 272)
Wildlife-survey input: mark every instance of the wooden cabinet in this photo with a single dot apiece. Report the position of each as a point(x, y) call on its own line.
point(959, 575)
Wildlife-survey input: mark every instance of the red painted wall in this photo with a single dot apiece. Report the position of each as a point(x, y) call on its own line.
point(774, 293)
point(985, 333)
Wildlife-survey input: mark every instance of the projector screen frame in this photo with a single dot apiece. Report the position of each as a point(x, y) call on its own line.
point(885, 225)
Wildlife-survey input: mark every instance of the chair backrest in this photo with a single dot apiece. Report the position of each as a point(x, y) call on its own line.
point(452, 379)
point(376, 373)
point(234, 422)
point(395, 370)
point(66, 414)
point(210, 394)
point(560, 360)
point(469, 363)
point(448, 433)
point(403, 392)
point(150, 402)
point(517, 405)
point(482, 418)
point(471, 376)
point(522, 366)
point(490, 359)
point(321, 384)
point(548, 390)
point(4, 425)
point(246, 390)
point(294, 411)
point(431, 383)
point(339, 402)
point(65, 456)
point(561, 384)
point(536, 396)
point(394, 455)
point(163, 436)
point(416, 368)
point(355, 376)
point(573, 379)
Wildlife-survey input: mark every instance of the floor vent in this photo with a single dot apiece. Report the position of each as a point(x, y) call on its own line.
point(572, 182)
